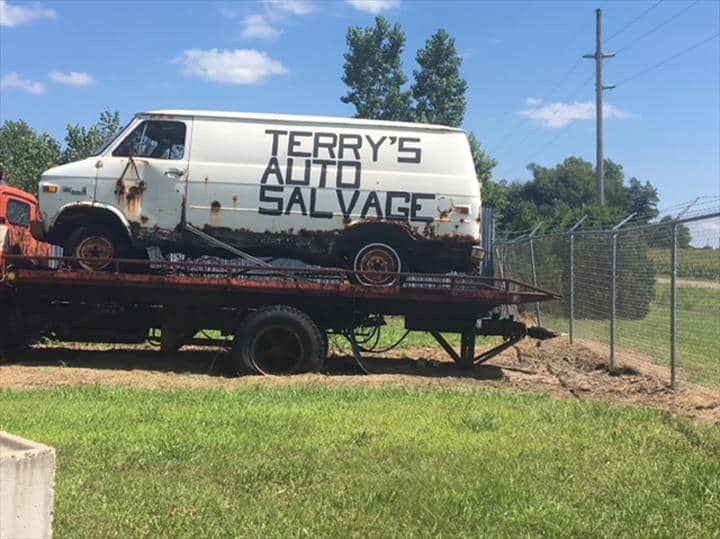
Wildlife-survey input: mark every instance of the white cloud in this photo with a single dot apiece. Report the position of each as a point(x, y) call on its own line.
point(707, 233)
point(373, 6)
point(560, 114)
point(15, 14)
point(257, 26)
point(532, 101)
point(13, 80)
point(74, 78)
point(296, 7)
point(239, 66)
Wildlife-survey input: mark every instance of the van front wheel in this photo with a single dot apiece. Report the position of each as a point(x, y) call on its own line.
point(86, 244)
point(378, 257)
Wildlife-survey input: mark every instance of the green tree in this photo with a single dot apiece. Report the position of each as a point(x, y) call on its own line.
point(484, 164)
point(643, 199)
point(81, 142)
point(439, 90)
point(25, 154)
point(373, 72)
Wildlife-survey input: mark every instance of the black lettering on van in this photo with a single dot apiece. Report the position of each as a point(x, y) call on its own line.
point(275, 135)
point(329, 145)
point(289, 173)
point(416, 153)
point(375, 146)
point(372, 201)
point(339, 181)
point(402, 211)
point(293, 142)
point(273, 167)
point(344, 208)
point(323, 170)
point(415, 207)
point(265, 197)
point(350, 142)
point(296, 199)
point(314, 212)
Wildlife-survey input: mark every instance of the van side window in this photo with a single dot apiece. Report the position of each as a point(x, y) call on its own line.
point(154, 138)
point(18, 213)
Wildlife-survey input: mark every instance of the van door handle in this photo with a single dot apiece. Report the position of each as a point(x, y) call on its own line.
point(174, 172)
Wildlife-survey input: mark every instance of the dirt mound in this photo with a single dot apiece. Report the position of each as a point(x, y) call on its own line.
point(578, 371)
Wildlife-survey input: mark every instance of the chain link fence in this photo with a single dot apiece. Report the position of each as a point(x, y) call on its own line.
point(652, 291)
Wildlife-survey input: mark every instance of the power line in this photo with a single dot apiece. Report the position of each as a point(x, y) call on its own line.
point(666, 60)
point(655, 28)
point(636, 19)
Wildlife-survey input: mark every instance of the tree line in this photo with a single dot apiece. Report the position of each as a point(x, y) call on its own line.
point(25, 154)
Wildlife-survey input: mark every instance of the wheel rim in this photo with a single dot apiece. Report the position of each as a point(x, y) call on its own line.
point(377, 257)
point(277, 350)
point(94, 247)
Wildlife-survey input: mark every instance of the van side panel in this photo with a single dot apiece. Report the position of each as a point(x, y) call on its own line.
point(257, 177)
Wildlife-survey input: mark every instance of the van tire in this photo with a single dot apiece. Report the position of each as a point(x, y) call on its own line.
point(278, 340)
point(383, 256)
point(98, 241)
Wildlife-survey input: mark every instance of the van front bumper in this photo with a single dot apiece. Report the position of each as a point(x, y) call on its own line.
point(37, 231)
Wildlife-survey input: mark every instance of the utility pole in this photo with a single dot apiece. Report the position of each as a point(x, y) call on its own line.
point(599, 89)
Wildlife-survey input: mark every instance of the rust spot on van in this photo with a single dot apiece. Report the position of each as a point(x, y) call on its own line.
point(206, 179)
point(134, 199)
point(235, 201)
point(215, 213)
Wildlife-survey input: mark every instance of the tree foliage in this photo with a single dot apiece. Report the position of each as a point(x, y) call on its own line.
point(25, 154)
point(373, 72)
point(81, 142)
point(375, 80)
point(561, 195)
point(484, 163)
point(439, 90)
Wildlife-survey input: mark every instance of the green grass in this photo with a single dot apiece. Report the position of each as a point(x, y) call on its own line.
point(314, 461)
point(692, 263)
point(698, 331)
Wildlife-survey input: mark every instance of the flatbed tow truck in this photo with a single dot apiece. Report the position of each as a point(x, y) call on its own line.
point(274, 320)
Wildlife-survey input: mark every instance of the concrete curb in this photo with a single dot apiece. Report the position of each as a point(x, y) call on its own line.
point(27, 488)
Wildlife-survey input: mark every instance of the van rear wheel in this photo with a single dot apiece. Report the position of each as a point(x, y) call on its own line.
point(88, 243)
point(378, 257)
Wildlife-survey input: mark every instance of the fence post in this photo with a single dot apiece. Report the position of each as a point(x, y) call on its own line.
point(613, 289)
point(572, 277)
point(673, 309)
point(534, 271)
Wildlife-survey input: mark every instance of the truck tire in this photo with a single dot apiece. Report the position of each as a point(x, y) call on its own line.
point(95, 242)
point(383, 256)
point(278, 340)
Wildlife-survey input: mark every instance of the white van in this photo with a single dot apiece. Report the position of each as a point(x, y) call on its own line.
point(364, 194)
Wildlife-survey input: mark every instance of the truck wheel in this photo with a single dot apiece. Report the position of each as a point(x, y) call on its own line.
point(96, 242)
point(378, 257)
point(279, 340)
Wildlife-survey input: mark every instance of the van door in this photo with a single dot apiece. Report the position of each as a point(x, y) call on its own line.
point(145, 174)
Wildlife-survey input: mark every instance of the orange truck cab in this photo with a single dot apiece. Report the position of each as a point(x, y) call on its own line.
point(17, 210)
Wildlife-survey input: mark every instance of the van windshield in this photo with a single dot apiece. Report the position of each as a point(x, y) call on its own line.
point(109, 141)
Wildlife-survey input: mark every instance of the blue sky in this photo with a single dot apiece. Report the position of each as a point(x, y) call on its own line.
point(529, 98)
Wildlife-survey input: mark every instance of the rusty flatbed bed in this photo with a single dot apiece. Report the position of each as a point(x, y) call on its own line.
point(184, 297)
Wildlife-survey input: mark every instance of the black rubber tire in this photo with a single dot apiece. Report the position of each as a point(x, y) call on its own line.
point(396, 256)
point(289, 340)
point(118, 245)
